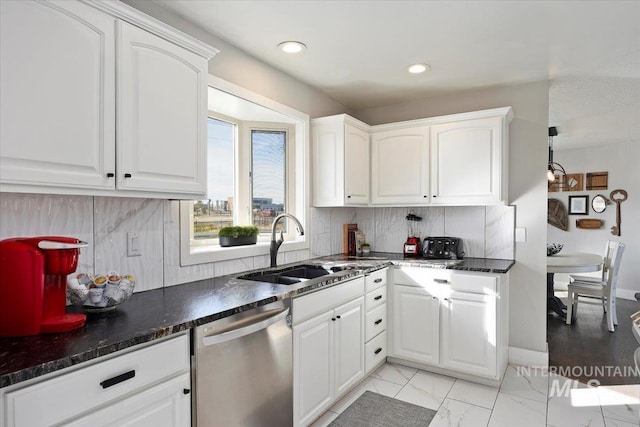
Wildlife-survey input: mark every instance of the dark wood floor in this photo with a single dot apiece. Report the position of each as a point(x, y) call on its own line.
point(587, 345)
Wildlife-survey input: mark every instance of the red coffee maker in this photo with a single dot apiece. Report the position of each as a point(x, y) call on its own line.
point(33, 285)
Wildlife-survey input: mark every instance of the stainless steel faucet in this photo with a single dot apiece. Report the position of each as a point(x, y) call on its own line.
point(275, 245)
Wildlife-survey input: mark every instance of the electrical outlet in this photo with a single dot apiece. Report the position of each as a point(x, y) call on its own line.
point(133, 244)
point(521, 234)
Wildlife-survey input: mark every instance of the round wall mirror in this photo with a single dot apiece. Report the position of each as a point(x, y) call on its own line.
point(599, 203)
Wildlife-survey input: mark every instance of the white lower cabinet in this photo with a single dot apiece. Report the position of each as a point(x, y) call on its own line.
point(453, 321)
point(469, 333)
point(149, 386)
point(375, 319)
point(328, 349)
point(166, 404)
point(415, 324)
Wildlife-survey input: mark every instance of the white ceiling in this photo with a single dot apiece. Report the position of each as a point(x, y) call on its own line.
point(358, 51)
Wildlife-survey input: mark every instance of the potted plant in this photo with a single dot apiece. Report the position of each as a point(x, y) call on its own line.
point(366, 248)
point(238, 235)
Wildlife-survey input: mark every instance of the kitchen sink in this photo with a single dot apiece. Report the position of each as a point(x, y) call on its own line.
point(306, 272)
point(289, 275)
point(272, 278)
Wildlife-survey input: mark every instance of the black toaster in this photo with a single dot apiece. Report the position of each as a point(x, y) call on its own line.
point(442, 248)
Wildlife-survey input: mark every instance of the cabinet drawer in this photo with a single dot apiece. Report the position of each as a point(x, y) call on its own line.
point(376, 298)
point(421, 276)
point(376, 279)
point(375, 352)
point(96, 385)
point(376, 321)
point(487, 285)
point(307, 306)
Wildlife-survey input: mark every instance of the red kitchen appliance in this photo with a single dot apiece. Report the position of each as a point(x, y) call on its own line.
point(412, 247)
point(33, 285)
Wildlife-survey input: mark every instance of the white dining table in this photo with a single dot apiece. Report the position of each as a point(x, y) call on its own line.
point(568, 263)
point(574, 263)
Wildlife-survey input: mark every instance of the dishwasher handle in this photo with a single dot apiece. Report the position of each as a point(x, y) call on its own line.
point(245, 330)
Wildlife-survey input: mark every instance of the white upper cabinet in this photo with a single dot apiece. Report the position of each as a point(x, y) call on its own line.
point(454, 160)
point(466, 162)
point(58, 95)
point(162, 116)
point(400, 166)
point(68, 127)
point(340, 162)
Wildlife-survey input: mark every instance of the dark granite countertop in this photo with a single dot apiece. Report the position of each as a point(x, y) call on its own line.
point(150, 315)
point(483, 265)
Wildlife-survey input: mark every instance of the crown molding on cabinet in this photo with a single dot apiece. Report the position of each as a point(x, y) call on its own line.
point(154, 26)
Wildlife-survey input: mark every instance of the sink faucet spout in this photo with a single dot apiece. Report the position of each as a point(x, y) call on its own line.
point(275, 245)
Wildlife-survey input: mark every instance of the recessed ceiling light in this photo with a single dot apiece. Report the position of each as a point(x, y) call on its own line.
point(292, 47)
point(418, 68)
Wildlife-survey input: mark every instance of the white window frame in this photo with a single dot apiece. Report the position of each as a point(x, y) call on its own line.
point(297, 184)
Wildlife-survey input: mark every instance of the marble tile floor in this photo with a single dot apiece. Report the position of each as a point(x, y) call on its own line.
point(527, 397)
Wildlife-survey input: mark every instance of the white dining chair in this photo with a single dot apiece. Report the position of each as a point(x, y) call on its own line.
point(608, 253)
point(580, 291)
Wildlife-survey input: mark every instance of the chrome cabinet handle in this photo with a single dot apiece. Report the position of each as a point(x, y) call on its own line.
point(377, 281)
point(441, 280)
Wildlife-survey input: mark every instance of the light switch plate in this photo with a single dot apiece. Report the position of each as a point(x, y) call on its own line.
point(521, 234)
point(133, 244)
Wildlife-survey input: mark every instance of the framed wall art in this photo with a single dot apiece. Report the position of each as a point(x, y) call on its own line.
point(578, 205)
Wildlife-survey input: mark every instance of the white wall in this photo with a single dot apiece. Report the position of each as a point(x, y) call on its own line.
point(621, 162)
point(527, 192)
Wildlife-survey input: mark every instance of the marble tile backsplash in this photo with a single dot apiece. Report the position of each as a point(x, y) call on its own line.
point(114, 217)
point(104, 221)
point(488, 232)
point(24, 215)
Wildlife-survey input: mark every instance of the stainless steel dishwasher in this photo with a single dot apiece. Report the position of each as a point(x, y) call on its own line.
point(243, 369)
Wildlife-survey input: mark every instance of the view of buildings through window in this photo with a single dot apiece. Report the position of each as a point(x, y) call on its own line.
point(268, 179)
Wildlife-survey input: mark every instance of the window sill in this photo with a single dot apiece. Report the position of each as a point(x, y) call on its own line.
point(205, 254)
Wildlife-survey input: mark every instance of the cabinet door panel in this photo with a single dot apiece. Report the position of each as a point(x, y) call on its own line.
point(57, 126)
point(161, 114)
point(466, 161)
point(469, 333)
point(313, 368)
point(356, 169)
point(400, 167)
point(328, 169)
point(165, 405)
point(415, 326)
point(349, 348)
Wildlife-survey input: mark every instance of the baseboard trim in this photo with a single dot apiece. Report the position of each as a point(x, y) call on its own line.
point(629, 294)
point(526, 357)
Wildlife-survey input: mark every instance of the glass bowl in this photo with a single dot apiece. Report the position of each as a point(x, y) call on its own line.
point(97, 294)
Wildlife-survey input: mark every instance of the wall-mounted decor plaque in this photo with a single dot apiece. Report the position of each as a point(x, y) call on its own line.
point(597, 180)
